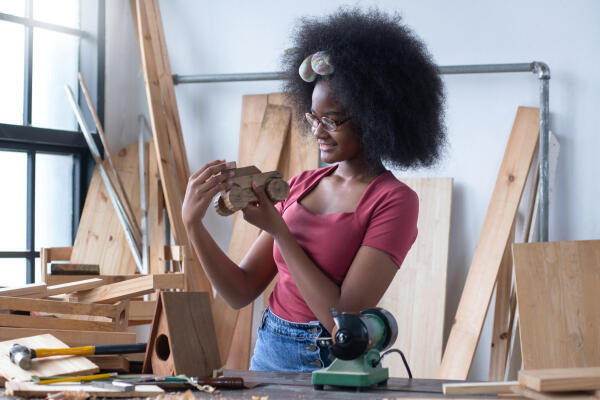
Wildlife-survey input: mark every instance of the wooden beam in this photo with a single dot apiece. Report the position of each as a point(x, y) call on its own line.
point(132, 288)
point(142, 310)
point(32, 290)
point(472, 388)
point(173, 183)
point(113, 363)
point(72, 287)
point(25, 321)
point(72, 338)
point(479, 286)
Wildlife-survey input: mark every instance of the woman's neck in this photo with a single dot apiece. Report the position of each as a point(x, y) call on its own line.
point(358, 170)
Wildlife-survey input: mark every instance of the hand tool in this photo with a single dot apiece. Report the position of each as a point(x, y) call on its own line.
point(22, 356)
point(181, 381)
point(356, 342)
point(44, 380)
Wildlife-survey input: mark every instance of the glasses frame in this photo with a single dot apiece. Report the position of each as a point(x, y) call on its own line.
point(328, 124)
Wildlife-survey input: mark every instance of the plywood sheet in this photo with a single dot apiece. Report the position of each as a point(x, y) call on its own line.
point(479, 286)
point(49, 366)
point(417, 295)
point(557, 296)
point(100, 237)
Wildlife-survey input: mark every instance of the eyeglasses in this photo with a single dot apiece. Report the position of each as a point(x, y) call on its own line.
point(328, 124)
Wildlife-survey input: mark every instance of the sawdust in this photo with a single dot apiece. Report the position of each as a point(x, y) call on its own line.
point(72, 395)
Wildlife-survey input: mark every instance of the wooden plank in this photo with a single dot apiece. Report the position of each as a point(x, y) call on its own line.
point(417, 295)
point(61, 307)
point(561, 379)
point(141, 310)
point(264, 152)
point(532, 394)
point(61, 279)
point(74, 269)
point(498, 222)
point(50, 366)
point(502, 313)
point(32, 290)
point(30, 389)
point(557, 297)
point(100, 237)
point(25, 321)
point(173, 192)
point(72, 287)
point(132, 288)
point(111, 363)
point(71, 338)
point(156, 203)
point(471, 388)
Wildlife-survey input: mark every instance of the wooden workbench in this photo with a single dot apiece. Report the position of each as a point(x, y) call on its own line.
point(290, 385)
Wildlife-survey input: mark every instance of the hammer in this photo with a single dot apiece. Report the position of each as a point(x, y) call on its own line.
point(22, 356)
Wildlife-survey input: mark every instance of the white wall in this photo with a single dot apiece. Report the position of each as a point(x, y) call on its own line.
point(241, 36)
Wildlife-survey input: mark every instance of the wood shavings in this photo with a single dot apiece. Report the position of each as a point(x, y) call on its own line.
point(188, 395)
point(260, 397)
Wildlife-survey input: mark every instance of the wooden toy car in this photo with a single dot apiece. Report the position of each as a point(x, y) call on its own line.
point(241, 194)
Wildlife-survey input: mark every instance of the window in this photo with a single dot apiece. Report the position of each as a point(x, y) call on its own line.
point(45, 165)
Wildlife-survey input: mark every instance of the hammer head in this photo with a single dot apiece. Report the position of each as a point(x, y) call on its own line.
point(21, 356)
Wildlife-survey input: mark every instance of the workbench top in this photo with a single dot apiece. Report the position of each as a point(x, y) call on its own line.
point(291, 385)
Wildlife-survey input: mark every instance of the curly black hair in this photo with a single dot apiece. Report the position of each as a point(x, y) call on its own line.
point(384, 78)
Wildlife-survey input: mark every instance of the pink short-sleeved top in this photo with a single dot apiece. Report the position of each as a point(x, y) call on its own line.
point(385, 218)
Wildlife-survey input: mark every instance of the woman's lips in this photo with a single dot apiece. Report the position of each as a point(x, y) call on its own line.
point(325, 147)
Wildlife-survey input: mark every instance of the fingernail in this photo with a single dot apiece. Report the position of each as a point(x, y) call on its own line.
point(254, 184)
point(231, 173)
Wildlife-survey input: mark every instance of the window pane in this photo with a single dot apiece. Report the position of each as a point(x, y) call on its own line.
point(12, 272)
point(53, 200)
point(13, 202)
point(55, 61)
point(14, 7)
point(59, 12)
point(11, 72)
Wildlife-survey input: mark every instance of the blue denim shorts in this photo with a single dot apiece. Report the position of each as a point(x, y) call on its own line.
point(288, 346)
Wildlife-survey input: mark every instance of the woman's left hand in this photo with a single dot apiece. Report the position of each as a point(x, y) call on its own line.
point(263, 213)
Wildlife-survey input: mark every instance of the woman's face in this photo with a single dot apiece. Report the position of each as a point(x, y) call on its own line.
point(338, 146)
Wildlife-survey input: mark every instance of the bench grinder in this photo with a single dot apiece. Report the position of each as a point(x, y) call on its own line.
point(356, 343)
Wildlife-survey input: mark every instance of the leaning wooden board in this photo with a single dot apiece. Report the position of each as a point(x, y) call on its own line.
point(50, 366)
point(29, 389)
point(100, 238)
point(417, 295)
point(495, 232)
point(557, 296)
point(261, 148)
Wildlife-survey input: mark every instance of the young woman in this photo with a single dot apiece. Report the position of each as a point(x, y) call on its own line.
point(371, 95)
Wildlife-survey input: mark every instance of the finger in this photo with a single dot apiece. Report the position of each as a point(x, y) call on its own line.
point(216, 182)
point(205, 167)
point(209, 172)
point(260, 192)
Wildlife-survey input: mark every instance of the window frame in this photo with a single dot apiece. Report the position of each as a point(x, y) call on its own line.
point(33, 140)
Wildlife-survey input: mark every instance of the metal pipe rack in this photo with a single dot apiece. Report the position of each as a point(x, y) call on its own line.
point(540, 69)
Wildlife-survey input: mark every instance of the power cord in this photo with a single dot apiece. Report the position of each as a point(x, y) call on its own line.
point(375, 363)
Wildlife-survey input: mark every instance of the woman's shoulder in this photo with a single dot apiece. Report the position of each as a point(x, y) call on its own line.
point(389, 189)
point(306, 178)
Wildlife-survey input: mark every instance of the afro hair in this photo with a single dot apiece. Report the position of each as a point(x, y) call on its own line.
point(384, 78)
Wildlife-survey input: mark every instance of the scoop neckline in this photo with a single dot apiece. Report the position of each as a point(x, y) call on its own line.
point(327, 173)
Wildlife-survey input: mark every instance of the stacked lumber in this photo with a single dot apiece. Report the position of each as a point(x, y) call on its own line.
point(556, 383)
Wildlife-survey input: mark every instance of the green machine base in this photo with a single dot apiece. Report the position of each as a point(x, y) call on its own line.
point(356, 373)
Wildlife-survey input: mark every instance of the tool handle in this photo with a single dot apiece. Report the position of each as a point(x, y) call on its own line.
point(222, 382)
point(85, 350)
point(120, 348)
point(76, 378)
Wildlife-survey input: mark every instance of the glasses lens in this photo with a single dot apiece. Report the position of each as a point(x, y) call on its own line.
point(311, 120)
point(328, 124)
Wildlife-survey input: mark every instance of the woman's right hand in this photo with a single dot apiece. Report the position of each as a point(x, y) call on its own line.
point(202, 186)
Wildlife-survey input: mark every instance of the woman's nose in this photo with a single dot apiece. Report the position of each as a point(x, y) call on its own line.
point(319, 132)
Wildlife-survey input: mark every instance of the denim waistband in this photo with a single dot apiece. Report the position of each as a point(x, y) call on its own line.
point(288, 328)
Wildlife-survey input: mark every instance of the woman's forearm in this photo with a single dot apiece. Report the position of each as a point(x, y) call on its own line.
point(227, 277)
point(319, 292)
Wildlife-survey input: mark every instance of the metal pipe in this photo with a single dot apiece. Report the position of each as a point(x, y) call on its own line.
point(539, 68)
